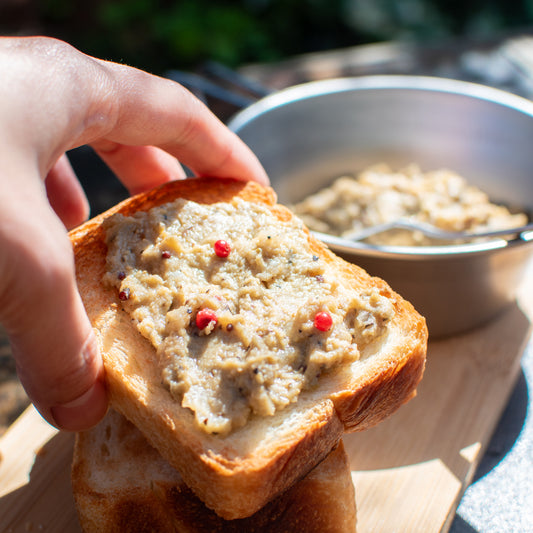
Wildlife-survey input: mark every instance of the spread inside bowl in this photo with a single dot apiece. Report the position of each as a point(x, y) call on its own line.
point(379, 195)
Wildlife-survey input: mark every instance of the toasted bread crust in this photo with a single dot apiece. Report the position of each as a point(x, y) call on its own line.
point(121, 484)
point(238, 474)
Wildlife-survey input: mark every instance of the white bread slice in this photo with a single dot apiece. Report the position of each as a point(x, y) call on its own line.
point(238, 474)
point(121, 484)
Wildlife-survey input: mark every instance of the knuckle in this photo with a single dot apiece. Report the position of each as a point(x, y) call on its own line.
point(38, 277)
point(189, 129)
point(53, 269)
point(77, 373)
point(72, 381)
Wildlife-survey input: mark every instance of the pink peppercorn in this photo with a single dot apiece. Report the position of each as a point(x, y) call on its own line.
point(204, 317)
point(124, 295)
point(222, 248)
point(323, 321)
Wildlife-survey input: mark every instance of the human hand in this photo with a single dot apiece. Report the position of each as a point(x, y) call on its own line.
point(54, 98)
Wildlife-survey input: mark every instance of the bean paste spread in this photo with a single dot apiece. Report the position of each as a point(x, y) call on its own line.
point(243, 316)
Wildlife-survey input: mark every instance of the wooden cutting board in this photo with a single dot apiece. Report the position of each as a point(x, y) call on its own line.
point(409, 472)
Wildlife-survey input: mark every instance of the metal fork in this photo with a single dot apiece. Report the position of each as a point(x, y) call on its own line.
point(432, 231)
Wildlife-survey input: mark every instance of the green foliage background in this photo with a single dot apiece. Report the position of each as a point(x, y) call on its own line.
point(161, 34)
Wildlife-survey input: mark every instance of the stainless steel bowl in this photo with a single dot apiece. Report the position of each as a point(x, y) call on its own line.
point(307, 135)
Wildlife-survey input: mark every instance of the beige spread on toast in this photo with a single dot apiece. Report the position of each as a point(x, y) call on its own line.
point(229, 297)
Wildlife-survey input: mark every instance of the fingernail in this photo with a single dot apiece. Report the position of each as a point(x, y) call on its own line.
point(83, 412)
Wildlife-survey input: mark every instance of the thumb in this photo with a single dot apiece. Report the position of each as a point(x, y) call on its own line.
point(52, 340)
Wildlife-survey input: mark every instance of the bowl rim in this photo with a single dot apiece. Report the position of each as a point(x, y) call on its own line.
point(338, 244)
point(316, 88)
point(402, 82)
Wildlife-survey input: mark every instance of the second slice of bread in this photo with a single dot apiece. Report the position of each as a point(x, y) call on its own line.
point(121, 484)
point(237, 474)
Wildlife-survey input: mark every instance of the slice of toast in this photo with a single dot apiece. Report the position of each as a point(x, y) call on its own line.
point(237, 474)
point(121, 484)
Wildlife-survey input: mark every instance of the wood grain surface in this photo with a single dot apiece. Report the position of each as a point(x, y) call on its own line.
point(409, 472)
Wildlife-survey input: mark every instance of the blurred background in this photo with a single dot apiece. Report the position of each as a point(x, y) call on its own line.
point(158, 35)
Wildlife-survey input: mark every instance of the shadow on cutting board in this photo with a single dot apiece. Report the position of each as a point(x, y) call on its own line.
point(46, 502)
point(466, 387)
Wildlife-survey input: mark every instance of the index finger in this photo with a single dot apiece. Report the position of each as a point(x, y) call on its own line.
point(149, 110)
